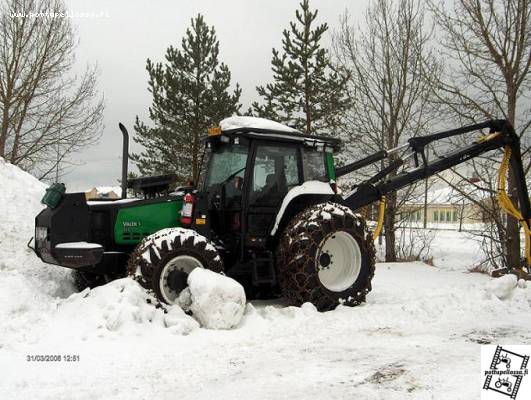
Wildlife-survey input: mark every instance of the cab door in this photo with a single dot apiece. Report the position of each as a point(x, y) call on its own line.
point(276, 168)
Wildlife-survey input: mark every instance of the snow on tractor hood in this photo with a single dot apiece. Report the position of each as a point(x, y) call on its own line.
point(309, 187)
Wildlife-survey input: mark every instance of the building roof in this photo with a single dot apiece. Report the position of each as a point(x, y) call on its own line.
point(108, 189)
point(105, 191)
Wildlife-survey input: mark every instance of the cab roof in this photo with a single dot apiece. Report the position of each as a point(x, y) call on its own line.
point(266, 129)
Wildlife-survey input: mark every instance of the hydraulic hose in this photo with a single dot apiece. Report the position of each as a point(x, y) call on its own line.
point(381, 213)
point(507, 205)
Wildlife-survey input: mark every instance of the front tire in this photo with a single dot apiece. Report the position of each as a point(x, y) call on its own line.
point(169, 256)
point(140, 271)
point(326, 256)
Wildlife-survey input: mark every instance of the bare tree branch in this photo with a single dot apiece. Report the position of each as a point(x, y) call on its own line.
point(387, 57)
point(46, 112)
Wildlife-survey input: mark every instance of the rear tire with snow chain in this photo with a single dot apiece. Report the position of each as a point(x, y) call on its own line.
point(166, 258)
point(326, 256)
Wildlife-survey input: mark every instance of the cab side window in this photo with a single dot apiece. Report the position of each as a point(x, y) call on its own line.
point(314, 165)
point(275, 172)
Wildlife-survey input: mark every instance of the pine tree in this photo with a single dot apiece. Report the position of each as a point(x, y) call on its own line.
point(308, 92)
point(190, 94)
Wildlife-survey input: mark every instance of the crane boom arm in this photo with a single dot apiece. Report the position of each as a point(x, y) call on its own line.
point(501, 136)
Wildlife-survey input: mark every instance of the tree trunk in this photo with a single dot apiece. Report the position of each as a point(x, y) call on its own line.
point(461, 216)
point(195, 167)
point(390, 215)
point(391, 206)
point(307, 99)
point(3, 130)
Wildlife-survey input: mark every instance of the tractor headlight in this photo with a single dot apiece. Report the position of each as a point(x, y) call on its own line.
point(41, 233)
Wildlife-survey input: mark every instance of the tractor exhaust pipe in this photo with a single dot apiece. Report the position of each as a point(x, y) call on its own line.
point(125, 158)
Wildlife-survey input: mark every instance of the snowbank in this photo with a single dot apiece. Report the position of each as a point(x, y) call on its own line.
point(20, 203)
point(28, 287)
point(217, 301)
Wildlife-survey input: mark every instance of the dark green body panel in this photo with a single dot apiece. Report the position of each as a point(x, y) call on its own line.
point(133, 223)
point(330, 167)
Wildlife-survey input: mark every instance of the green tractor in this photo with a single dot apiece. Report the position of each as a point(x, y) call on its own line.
point(266, 211)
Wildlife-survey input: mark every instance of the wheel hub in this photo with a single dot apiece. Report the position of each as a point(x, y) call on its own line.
point(174, 276)
point(338, 261)
point(177, 280)
point(324, 260)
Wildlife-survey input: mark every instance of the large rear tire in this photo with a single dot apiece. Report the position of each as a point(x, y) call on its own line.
point(166, 258)
point(326, 256)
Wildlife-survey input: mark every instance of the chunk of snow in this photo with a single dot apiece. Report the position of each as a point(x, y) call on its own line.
point(238, 122)
point(78, 245)
point(503, 286)
point(218, 302)
point(309, 187)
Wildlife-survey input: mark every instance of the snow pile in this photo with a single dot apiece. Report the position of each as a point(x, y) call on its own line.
point(28, 287)
point(238, 122)
point(218, 302)
point(23, 305)
point(121, 305)
point(20, 203)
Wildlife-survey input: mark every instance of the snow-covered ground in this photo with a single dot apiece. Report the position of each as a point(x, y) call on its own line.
point(418, 336)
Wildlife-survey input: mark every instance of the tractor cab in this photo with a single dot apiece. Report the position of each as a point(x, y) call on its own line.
point(247, 173)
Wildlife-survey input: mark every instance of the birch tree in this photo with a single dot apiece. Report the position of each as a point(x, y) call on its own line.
point(487, 45)
point(47, 112)
point(386, 57)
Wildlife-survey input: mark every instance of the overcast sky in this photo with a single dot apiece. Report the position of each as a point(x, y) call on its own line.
point(131, 31)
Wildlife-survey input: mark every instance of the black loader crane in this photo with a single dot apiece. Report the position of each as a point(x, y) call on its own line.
point(265, 212)
point(501, 136)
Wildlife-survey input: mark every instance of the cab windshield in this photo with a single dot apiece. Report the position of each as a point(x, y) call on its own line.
point(226, 163)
